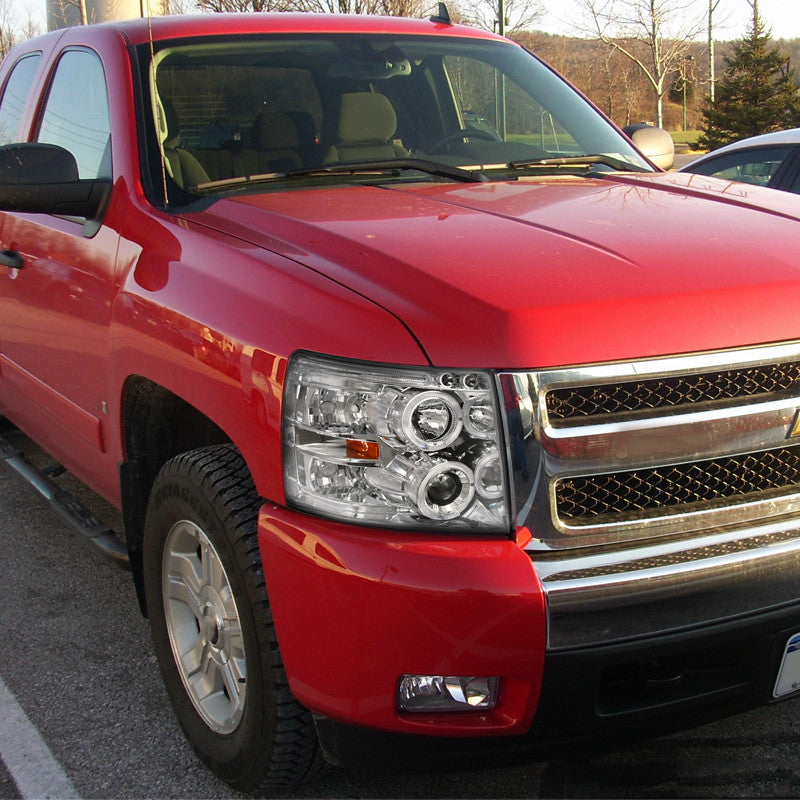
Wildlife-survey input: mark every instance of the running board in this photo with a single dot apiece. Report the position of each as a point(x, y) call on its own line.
point(96, 534)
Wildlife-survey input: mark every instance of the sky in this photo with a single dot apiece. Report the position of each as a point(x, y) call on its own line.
point(732, 16)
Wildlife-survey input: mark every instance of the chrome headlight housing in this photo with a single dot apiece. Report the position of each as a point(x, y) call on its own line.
point(395, 446)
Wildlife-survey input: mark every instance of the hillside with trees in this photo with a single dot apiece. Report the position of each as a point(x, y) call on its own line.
point(614, 84)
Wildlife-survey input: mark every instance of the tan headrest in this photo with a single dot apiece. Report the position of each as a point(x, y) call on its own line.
point(366, 117)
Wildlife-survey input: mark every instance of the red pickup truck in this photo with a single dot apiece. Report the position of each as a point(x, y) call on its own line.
point(443, 424)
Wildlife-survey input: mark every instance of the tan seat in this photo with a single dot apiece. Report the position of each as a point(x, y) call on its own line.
point(276, 146)
point(365, 127)
point(181, 165)
point(217, 162)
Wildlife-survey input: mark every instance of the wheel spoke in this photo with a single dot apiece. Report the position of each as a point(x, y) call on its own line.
point(185, 591)
point(207, 675)
point(192, 658)
point(230, 679)
point(235, 648)
point(211, 568)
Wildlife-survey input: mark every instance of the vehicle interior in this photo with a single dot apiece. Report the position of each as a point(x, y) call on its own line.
point(252, 107)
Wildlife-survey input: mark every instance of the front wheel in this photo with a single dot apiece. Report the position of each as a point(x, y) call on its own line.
point(212, 626)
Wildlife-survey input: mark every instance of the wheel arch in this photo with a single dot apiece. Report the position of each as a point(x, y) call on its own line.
point(156, 425)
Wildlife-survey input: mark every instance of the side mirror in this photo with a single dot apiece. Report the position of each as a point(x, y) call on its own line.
point(43, 179)
point(655, 143)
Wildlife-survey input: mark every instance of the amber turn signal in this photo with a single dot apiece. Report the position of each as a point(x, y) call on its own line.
point(357, 448)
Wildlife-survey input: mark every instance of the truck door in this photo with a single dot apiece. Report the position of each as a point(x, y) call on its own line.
point(55, 308)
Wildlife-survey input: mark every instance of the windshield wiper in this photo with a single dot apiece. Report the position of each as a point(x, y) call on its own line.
point(589, 162)
point(395, 165)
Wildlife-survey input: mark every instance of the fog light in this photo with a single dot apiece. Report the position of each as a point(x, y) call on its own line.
point(447, 693)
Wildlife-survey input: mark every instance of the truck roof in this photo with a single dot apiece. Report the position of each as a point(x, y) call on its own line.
point(138, 31)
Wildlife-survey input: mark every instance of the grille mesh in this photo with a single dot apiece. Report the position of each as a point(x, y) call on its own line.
point(587, 500)
point(582, 402)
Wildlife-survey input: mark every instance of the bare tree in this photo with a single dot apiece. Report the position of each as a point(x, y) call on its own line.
point(654, 34)
point(622, 87)
point(504, 16)
point(180, 6)
point(218, 6)
point(29, 29)
point(65, 13)
point(398, 8)
point(339, 6)
point(8, 35)
point(10, 32)
point(402, 8)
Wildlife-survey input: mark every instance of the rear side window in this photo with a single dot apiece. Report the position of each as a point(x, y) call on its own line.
point(15, 97)
point(76, 114)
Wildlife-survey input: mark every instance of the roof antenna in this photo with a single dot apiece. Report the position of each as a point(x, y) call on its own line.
point(442, 15)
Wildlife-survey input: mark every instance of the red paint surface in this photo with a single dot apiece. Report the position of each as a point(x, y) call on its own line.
point(355, 609)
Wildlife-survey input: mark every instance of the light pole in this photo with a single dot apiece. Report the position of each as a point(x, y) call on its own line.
point(500, 79)
point(686, 60)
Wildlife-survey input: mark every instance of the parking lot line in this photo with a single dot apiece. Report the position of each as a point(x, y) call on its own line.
point(27, 756)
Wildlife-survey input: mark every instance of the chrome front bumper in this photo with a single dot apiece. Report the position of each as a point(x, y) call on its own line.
point(607, 597)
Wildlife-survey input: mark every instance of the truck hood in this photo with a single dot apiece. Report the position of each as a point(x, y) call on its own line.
point(547, 271)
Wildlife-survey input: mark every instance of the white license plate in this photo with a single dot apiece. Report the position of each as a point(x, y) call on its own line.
point(789, 673)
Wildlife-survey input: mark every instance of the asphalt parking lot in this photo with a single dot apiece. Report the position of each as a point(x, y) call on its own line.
point(682, 159)
point(76, 657)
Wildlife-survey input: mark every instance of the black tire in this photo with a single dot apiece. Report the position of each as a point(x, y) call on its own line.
point(237, 711)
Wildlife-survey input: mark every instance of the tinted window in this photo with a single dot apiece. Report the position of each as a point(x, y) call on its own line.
point(795, 187)
point(15, 97)
point(748, 166)
point(76, 115)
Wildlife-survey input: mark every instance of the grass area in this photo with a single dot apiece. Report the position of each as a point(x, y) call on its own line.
point(547, 142)
point(688, 138)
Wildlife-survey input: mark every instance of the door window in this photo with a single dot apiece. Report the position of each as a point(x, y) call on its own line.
point(76, 115)
point(15, 96)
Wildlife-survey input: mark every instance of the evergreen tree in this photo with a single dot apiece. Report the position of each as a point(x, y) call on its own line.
point(756, 94)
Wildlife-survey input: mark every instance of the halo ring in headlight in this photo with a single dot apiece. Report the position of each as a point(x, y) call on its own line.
point(431, 420)
point(445, 490)
point(479, 418)
point(488, 475)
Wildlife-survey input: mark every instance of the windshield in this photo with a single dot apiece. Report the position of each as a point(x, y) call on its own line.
point(267, 107)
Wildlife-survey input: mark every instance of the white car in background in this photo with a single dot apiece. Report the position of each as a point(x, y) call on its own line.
point(772, 160)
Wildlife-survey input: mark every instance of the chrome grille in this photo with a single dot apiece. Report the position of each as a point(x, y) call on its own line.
point(676, 489)
point(667, 447)
point(576, 403)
